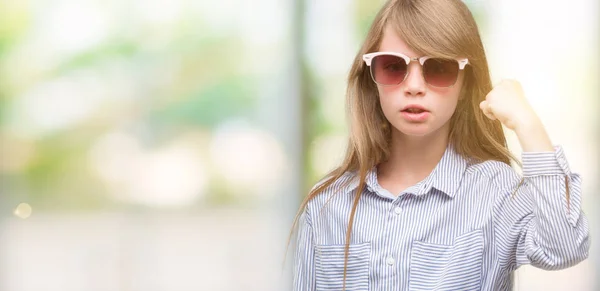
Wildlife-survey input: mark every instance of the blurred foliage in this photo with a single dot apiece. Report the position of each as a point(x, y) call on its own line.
point(364, 15)
point(96, 56)
point(210, 105)
point(14, 20)
point(203, 88)
point(59, 178)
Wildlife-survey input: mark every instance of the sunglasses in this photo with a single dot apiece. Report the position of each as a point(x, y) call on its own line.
point(389, 69)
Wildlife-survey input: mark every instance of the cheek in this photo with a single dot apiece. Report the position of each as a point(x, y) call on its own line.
point(388, 90)
point(446, 99)
point(388, 97)
point(450, 94)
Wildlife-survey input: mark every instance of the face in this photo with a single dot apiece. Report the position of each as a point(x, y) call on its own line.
point(430, 107)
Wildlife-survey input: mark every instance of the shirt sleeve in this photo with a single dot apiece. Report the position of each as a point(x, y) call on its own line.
point(542, 223)
point(304, 271)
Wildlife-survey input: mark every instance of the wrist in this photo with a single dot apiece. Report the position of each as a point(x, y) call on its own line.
point(528, 126)
point(533, 136)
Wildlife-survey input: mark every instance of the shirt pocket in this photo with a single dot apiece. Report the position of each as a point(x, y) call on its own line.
point(448, 267)
point(329, 267)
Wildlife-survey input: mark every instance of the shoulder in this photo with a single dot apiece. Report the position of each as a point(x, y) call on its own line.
point(498, 174)
point(344, 184)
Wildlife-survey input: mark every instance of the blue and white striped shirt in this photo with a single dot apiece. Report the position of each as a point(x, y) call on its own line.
point(458, 229)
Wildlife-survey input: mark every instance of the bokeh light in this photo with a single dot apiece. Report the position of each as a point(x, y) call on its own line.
point(23, 211)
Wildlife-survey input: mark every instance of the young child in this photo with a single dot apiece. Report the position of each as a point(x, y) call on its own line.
point(425, 198)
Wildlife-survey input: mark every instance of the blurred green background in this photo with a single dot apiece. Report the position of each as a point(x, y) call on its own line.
point(142, 143)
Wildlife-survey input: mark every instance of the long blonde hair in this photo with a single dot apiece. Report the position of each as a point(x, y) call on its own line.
point(440, 28)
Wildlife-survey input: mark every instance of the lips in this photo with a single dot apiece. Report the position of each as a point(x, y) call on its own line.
point(415, 113)
point(413, 108)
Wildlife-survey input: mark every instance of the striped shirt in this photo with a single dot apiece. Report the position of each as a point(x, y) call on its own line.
point(461, 228)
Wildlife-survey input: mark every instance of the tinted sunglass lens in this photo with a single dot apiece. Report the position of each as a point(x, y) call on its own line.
point(440, 72)
point(388, 69)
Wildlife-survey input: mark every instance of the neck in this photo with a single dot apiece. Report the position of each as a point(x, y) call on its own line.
point(413, 158)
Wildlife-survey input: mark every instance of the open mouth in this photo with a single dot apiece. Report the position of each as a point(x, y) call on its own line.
point(414, 110)
point(415, 113)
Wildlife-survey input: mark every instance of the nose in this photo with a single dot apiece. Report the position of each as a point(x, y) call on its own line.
point(414, 85)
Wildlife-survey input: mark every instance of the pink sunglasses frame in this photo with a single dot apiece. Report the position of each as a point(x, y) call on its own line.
point(368, 58)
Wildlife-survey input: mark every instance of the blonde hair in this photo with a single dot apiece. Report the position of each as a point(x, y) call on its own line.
point(440, 28)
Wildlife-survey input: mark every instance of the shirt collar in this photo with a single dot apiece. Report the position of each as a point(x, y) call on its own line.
point(445, 177)
point(448, 173)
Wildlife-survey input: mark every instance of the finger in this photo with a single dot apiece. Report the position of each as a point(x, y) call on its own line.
point(487, 111)
point(483, 105)
point(489, 115)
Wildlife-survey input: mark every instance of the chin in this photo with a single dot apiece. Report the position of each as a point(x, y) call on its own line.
point(418, 129)
point(416, 133)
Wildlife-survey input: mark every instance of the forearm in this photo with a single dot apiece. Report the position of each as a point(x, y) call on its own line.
point(533, 136)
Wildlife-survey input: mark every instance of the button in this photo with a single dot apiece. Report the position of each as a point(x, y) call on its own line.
point(390, 261)
point(398, 210)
